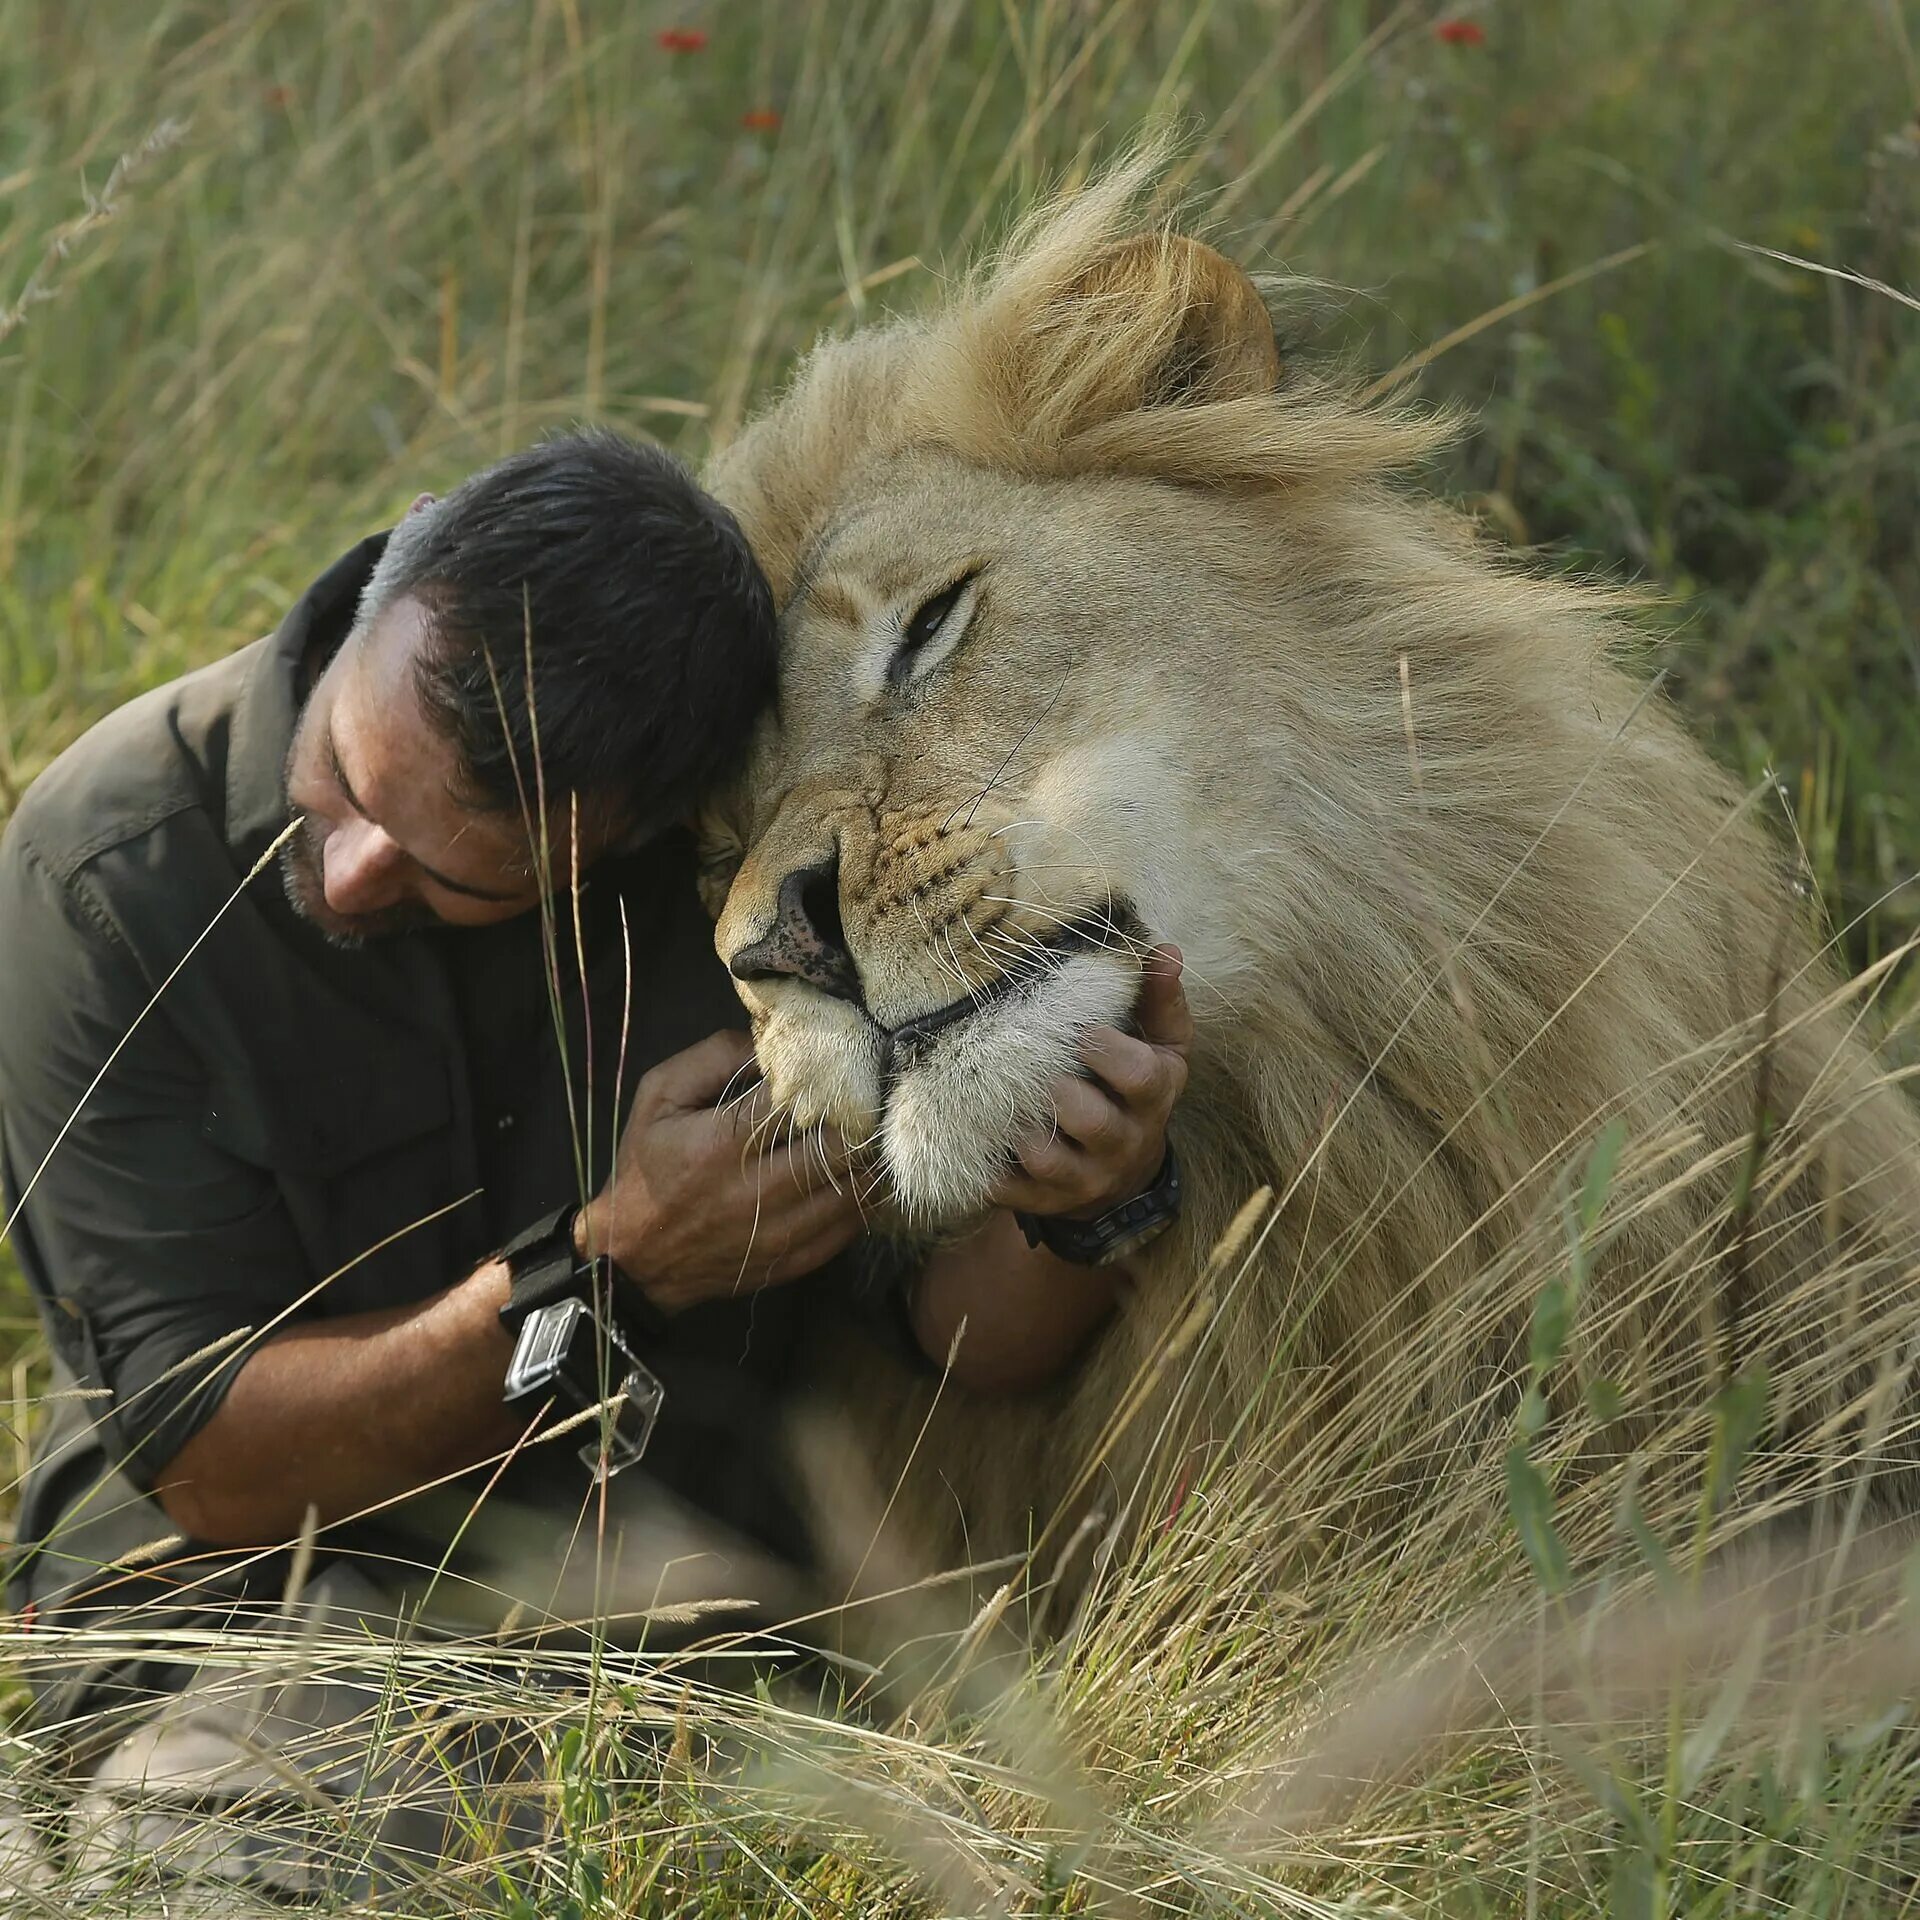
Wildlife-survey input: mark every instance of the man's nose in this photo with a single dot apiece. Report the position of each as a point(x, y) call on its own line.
point(361, 868)
point(806, 941)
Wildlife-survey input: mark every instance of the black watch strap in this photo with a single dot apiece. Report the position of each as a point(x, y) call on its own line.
point(1112, 1235)
point(543, 1267)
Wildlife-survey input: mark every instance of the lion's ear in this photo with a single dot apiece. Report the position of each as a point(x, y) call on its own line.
point(1088, 348)
point(1215, 341)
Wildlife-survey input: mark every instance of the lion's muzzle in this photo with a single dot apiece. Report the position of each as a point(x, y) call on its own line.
point(807, 942)
point(908, 989)
point(1086, 933)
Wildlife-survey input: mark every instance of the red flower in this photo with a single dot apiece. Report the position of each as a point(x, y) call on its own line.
point(1179, 1499)
point(277, 96)
point(682, 39)
point(1461, 33)
point(761, 120)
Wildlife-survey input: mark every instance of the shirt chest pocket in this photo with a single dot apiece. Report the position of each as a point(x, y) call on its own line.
point(361, 1154)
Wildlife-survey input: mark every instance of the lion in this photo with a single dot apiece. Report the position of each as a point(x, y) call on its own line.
point(1102, 625)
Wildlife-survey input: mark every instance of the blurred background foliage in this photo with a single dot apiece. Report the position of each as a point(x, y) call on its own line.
point(397, 238)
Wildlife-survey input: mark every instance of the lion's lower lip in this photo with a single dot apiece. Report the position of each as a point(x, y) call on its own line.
point(1084, 934)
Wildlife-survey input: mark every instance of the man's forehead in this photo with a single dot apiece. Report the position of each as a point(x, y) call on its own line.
point(390, 643)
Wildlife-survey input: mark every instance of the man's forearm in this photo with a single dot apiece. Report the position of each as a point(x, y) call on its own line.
point(347, 1413)
point(1026, 1313)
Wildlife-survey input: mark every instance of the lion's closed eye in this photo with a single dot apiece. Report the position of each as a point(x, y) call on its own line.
point(933, 629)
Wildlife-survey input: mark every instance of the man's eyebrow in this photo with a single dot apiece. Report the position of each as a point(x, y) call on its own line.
point(439, 879)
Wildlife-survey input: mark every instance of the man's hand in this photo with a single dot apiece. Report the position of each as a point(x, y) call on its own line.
point(1112, 1128)
point(695, 1210)
point(698, 1208)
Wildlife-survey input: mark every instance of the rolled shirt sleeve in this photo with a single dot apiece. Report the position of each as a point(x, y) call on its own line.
point(158, 1258)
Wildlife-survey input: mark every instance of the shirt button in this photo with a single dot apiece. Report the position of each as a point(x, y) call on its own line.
point(505, 1123)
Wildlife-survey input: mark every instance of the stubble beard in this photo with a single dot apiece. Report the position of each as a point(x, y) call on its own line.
point(303, 875)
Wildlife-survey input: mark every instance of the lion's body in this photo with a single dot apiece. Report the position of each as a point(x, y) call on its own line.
point(1452, 889)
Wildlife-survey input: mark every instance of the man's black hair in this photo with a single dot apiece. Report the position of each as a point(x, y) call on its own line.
point(590, 609)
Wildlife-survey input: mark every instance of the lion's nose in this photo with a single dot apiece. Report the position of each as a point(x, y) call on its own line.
point(806, 941)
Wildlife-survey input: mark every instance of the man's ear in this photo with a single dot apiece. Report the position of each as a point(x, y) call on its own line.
point(1217, 343)
point(421, 500)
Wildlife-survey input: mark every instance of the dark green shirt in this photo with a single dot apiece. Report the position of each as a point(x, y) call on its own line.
point(295, 1130)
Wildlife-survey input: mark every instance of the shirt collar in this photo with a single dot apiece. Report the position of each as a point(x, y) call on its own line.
point(269, 702)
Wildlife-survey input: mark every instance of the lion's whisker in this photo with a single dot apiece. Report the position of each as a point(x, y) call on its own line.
point(957, 974)
point(975, 938)
point(1115, 940)
point(974, 993)
point(1126, 945)
point(999, 773)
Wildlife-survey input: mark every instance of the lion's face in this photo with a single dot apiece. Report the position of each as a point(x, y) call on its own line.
point(955, 842)
point(1042, 617)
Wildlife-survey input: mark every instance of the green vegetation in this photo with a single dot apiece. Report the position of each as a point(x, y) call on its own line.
point(357, 248)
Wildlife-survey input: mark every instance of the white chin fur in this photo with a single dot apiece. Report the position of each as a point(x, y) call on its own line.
point(955, 1113)
point(824, 1058)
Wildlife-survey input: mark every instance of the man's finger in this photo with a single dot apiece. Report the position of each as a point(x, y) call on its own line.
point(1131, 1070)
point(1162, 1013)
point(817, 1156)
point(1088, 1117)
point(1050, 1164)
point(743, 1115)
point(756, 1130)
point(1063, 1182)
point(813, 1253)
point(793, 1240)
point(707, 1072)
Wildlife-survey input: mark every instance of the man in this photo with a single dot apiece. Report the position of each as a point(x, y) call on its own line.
point(296, 1166)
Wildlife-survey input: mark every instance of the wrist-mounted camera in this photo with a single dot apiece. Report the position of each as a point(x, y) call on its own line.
point(575, 1323)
